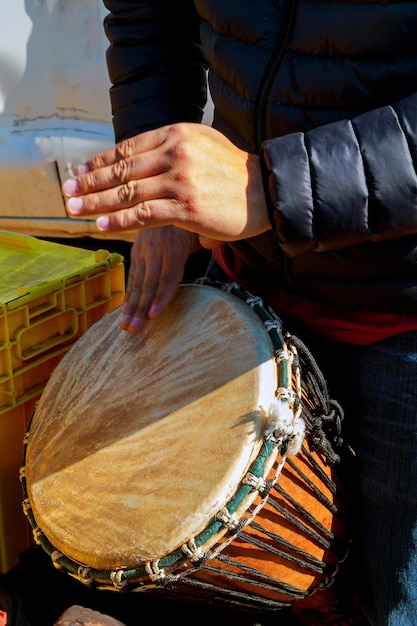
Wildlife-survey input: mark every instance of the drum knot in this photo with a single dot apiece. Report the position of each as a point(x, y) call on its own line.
point(256, 482)
point(117, 579)
point(83, 575)
point(194, 552)
point(254, 301)
point(37, 535)
point(55, 557)
point(26, 505)
point(155, 573)
point(277, 326)
point(228, 519)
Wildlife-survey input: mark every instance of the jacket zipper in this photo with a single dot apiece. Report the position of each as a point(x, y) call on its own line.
point(270, 72)
point(261, 101)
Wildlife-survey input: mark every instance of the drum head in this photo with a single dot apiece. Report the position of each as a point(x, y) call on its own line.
point(137, 441)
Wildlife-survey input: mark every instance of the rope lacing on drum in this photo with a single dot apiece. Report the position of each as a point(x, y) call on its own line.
point(324, 417)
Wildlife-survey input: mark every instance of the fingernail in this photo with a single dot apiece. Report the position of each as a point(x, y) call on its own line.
point(82, 169)
point(75, 205)
point(133, 324)
point(136, 324)
point(103, 222)
point(153, 311)
point(70, 186)
point(125, 321)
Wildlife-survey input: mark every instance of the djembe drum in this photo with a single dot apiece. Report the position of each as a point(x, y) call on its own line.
point(191, 457)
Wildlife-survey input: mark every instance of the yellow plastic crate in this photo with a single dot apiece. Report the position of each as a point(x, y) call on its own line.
point(50, 294)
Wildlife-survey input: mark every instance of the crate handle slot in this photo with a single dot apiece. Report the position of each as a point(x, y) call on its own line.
point(47, 332)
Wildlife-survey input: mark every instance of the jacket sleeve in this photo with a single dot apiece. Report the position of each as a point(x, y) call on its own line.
point(345, 183)
point(155, 64)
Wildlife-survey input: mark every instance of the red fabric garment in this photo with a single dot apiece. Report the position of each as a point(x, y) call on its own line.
point(355, 327)
point(347, 326)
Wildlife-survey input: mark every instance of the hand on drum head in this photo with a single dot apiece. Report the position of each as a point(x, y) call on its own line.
point(158, 258)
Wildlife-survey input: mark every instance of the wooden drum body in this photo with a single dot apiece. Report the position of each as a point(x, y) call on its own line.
point(177, 458)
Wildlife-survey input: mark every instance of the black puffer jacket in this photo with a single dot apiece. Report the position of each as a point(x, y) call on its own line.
point(326, 92)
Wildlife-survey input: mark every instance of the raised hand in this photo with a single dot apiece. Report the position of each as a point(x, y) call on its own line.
point(186, 175)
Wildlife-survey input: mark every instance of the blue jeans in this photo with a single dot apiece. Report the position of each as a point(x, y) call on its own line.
point(377, 388)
